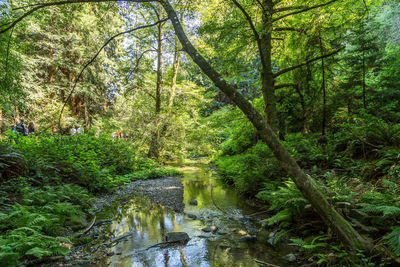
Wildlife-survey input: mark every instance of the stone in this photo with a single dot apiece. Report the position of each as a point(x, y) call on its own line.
point(248, 238)
point(192, 216)
point(242, 232)
point(272, 237)
point(211, 228)
point(177, 237)
point(290, 257)
point(193, 203)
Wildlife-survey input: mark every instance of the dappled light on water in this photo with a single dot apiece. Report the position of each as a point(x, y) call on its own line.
point(140, 228)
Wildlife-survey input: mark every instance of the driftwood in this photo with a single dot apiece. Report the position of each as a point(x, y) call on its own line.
point(87, 229)
point(165, 243)
point(265, 263)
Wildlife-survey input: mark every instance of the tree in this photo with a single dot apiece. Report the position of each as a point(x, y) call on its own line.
point(346, 233)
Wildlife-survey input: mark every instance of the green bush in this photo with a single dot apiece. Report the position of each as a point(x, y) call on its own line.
point(247, 171)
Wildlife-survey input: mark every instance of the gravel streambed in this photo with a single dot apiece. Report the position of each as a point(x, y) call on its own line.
point(166, 191)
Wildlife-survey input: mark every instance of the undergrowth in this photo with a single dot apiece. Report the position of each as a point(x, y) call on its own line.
point(358, 170)
point(48, 184)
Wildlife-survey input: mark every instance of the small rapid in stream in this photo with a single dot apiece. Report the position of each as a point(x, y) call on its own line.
point(140, 228)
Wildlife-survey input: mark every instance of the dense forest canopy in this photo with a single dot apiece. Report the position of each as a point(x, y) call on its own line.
point(268, 90)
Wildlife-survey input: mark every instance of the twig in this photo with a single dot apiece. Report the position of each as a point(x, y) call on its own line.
point(257, 213)
point(212, 198)
point(163, 243)
point(42, 260)
point(266, 263)
point(89, 227)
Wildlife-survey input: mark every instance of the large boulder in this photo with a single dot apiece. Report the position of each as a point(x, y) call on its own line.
point(181, 237)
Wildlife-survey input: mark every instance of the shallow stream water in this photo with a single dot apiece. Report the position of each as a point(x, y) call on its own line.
point(145, 224)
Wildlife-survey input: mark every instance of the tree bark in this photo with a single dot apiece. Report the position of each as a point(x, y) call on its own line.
point(267, 76)
point(363, 81)
point(323, 88)
point(346, 233)
point(154, 143)
point(177, 56)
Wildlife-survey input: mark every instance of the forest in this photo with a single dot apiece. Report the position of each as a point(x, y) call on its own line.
point(291, 105)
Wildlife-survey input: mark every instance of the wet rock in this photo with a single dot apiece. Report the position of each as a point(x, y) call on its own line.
point(192, 216)
point(177, 237)
point(245, 219)
point(272, 238)
point(193, 203)
point(248, 238)
point(242, 232)
point(211, 228)
point(82, 262)
point(290, 257)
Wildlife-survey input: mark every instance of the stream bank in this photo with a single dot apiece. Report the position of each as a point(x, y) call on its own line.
point(133, 224)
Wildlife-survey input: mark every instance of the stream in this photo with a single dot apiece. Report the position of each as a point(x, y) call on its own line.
point(233, 239)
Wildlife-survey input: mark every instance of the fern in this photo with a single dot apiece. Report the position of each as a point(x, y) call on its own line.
point(393, 240)
point(286, 200)
point(283, 215)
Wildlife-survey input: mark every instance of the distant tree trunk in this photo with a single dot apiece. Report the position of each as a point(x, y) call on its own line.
point(154, 143)
point(323, 88)
point(363, 81)
point(346, 233)
point(1, 121)
point(51, 69)
point(177, 56)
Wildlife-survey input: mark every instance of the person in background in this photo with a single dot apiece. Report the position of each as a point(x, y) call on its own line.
point(80, 130)
point(73, 130)
point(31, 128)
point(21, 128)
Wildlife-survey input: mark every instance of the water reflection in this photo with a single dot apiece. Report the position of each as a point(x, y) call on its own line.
point(144, 224)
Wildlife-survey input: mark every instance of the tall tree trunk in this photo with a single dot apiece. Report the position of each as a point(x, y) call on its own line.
point(346, 233)
point(171, 98)
point(267, 77)
point(363, 81)
point(177, 56)
point(154, 143)
point(323, 88)
point(1, 121)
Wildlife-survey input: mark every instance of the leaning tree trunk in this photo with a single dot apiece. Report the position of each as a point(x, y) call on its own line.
point(346, 233)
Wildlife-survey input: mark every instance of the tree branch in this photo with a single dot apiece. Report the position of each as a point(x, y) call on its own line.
point(282, 9)
point(304, 10)
point(94, 58)
point(260, 4)
point(281, 29)
point(305, 63)
point(40, 6)
point(249, 20)
point(284, 85)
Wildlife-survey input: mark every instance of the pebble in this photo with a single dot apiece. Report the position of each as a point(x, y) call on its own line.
point(211, 228)
point(193, 203)
point(290, 257)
